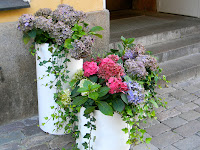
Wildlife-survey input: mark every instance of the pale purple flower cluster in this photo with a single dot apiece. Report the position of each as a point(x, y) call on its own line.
point(57, 24)
point(45, 12)
point(135, 94)
point(67, 14)
point(149, 61)
point(26, 22)
point(61, 32)
point(44, 24)
point(135, 68)
point(132, 53)
point(137, 63)
point(82, 48)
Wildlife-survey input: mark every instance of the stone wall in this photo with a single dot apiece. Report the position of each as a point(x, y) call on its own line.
point(18, 91)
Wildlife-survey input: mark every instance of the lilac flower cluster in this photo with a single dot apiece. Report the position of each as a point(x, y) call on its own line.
point(148, 61)
point(44, 24)
point(67, 14)
point(136, 68)
point(137, 63)
point(133, 52)
point(26, 22)
point(61, 32)
point(45, 12)
point(58, 24)
point(135, 94)
point(82, 48)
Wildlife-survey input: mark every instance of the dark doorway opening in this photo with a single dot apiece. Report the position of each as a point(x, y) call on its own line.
point(129, 8)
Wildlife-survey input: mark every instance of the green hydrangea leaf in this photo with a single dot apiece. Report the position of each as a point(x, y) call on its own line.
point(118, 105)
point(93, 78)
point(79, 100)
point(89, 109)
point(93, 95)
point(96, 28)
point(103, 91)
point(105, 108)
point(124, 98)
point(26, 38)
point(95, 87)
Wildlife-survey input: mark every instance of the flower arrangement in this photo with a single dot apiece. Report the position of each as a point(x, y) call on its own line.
point(68, 37)
point(122, 82)
point(63, 27)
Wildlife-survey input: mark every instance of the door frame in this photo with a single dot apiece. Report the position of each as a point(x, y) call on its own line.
point(196, 14)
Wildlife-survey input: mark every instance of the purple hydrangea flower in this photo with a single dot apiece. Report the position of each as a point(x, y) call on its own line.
point(129, 55)
point(135, 94)
point(136, 68)
point(132, 53)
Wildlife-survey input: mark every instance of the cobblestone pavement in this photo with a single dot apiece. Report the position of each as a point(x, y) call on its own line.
point(177, 127)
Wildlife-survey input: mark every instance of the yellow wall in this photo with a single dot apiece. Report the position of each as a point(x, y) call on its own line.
point(84, 5)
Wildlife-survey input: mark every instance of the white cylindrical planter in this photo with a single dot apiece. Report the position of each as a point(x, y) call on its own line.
point(45, 94)
point(109, 134)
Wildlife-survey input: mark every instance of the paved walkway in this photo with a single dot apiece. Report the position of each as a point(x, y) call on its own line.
point(177, 127)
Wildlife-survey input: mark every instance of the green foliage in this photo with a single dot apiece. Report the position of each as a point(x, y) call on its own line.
point(105, 108)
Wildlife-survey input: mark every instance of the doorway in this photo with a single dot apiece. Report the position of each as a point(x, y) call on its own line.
point(129, 8)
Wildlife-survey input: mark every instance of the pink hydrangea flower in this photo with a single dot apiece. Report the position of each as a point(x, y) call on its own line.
point(116, 85)
point(90, 68)
point(108, 68)
point(115, 58)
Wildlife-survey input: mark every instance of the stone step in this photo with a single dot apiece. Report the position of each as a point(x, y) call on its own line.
point(182, 68)
point(176, 48)
point(148, 30)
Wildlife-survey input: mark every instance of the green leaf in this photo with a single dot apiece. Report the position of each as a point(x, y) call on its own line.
point(125, 130)
point(148, 140)
point(103, 91)
point(98, 35)
point(118, 105)
point(120, 61)
point(114, 50)
point(93, 95)
point(93, 78)
point(105, 108)
point(68, 44)
point(26, 38)
point(124, 98)
point(164, 77)
point(87, 136)
point(95, 87)
point(120, 47)
point(87, 83)
point(96, 28)
point(89, 109)
point(154, 103)
point(127, 79)
point(130, 40)
point(80, 100)
point(74, 92)
point(84, 23)
point(81, 90)
point(123, 39)
point(32, 33)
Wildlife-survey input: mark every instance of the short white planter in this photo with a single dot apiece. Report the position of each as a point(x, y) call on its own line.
point(109, 134)
point(45, 94)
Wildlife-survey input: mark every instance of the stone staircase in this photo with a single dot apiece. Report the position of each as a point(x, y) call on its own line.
point(173, 39)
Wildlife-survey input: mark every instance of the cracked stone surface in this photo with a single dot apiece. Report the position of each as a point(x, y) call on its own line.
point(177, 127)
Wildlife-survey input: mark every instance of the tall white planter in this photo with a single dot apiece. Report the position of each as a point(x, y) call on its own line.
point(45, 94)
point(109, 134)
